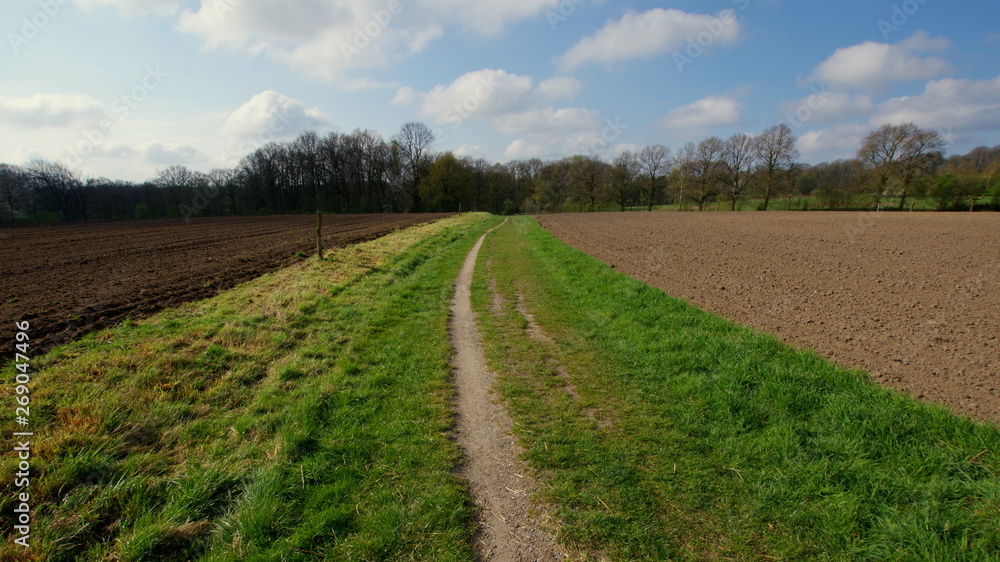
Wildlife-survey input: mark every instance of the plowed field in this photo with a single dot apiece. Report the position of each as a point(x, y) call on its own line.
point(913, 298)
point(70, 279)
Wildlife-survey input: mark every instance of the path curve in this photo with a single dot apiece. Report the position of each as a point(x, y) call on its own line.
point(508, 524)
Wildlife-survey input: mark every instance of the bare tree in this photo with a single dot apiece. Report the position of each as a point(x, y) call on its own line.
point(62, 185)
point(624, 171)
point(414, 140)
point(776, 152)
point(739, 155)
point(654, 165)
point(705, 168)
point(15, 196)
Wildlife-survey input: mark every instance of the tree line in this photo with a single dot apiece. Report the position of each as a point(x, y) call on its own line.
point(361, 172)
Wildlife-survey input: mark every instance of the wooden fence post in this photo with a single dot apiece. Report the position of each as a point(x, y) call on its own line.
point(319, 234)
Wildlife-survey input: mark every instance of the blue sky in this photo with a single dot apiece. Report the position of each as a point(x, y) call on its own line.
point(123, 88)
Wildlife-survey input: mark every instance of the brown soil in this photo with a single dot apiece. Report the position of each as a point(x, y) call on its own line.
point(909, 297)
point(508, 528)
point(71, 279)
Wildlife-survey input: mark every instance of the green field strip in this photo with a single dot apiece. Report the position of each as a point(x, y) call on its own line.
point(300, 416)
point(661, 432)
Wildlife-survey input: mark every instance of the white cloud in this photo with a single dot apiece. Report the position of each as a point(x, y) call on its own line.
point(136, 7)
point(711, 111)
point(327, 40)
point(487, 17)
point(268, 116)
point(650, 33)
point(481, 93)
point(521, 149)
point(553, 133)
point(51, 110)
point(835, 143)
point(873, 67)
point(157, 153)
point(548, 121)
point(560, 87)
point(962, 105)
point(514, 105)
point(830, 107)
point(471, 150)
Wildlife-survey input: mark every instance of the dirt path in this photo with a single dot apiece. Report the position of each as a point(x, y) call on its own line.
point(509, 525)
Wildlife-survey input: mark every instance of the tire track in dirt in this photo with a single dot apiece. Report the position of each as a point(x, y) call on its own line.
point(508, 527)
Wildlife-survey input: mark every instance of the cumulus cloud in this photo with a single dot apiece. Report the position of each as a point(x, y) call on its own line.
point(835, 143)
point(549, 133)
point(327, 40)
point(136, 7)
point(483, 94)
point(471, 150)
point(157, 153)
point(830, 107)
point(959, 105)
point(873, 67)
point(51, 110)
point(268, 116)
point(515, 105)
point(487, 17)
point(711, 111)
point(647, 34)
point(548, 121)
point(560, 87)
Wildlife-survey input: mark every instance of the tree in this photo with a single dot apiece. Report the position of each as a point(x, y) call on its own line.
point(624, 171)
point(62, 185)
point(15, 196)
point(879, 153)
point(739, 156)
point(921, 154)
point(588, 175)
point(448, 184)
point(414, 140)
point(898, 152)
point(654, 165)
point(776, 152)
point(705, 167)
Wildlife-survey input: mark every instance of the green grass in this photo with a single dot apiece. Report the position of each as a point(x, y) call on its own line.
point(301, 416)
point(723, 443)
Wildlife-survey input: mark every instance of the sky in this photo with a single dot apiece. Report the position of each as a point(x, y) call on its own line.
point(124, 88)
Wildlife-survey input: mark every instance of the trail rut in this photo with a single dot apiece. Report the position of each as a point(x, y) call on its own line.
point(509, 525)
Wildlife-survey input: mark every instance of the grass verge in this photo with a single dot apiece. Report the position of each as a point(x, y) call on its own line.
point(300, 416)
point(660, 432)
